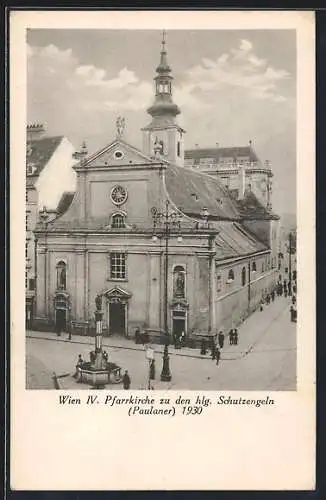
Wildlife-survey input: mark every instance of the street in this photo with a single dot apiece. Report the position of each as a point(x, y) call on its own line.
point(265, 358)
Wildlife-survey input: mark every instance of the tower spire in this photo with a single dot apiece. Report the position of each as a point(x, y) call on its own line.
point(163, 67)
point(163, 104)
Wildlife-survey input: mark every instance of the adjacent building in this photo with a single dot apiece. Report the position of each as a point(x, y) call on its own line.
point(49, 173)
point(220, 241)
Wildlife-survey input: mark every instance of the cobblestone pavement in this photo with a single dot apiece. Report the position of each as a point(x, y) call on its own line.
point(265, 358)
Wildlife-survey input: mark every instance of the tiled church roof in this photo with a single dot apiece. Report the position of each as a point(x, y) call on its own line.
point(233, 240)
point(64, 202)
point(250, 207)
point(40, 151)
point(218, 153)
point(192, 192)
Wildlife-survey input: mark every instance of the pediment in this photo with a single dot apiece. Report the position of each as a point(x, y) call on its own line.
point(118, 153)
point(117, 292)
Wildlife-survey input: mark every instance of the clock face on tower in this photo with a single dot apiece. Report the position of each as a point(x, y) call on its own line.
point(118, 195)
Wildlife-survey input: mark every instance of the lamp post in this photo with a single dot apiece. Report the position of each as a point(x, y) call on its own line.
point(164, 223)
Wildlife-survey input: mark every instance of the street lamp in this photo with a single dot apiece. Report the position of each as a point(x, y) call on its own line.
point(165, 223)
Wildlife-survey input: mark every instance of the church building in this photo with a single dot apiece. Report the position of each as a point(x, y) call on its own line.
point(166, 245)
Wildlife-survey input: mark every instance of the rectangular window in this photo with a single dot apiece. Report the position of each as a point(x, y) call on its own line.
point(32, 284)
point(26, 279)
point(118, 265)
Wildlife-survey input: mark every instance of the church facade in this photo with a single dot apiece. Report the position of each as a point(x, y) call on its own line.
point(201, 267)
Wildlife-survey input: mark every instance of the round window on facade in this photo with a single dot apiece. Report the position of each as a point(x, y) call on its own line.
point(118, 155)
point(118, 195)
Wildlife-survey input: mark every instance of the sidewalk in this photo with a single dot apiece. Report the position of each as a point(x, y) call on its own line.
point(250, 333)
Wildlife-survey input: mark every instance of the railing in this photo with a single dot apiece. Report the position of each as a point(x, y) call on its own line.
point(229, 165)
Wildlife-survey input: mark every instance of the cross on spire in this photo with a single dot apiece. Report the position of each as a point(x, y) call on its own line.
point(163, 40)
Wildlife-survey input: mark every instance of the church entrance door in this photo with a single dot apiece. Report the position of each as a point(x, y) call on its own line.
point(60, 317)
point(117, 318)
point(179, 326)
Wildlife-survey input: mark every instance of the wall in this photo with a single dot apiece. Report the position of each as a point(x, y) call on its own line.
point(31, 218)
point(232, 299)
point(88, 273)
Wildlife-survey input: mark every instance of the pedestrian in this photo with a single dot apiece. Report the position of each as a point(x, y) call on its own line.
point(221, 339)
point(292, 314)
point(268, 299)
point(231, 336)
point(235, 336)
point(289, 287)
point(105, 356)
point(126, 381)
point(273, 295)
point(285, 291)
point(261, 308)
point(79, 364)
point(218, 356)
point(203, 347)
point(152, 370)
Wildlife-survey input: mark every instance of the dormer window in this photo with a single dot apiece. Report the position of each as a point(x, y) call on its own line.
point(118, 221)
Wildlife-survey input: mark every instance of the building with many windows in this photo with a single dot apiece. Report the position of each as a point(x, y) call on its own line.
point(49, 174)
point(221, 244)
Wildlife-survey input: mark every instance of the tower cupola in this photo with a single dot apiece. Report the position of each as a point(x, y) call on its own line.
point(163, 132)
point(163, 105)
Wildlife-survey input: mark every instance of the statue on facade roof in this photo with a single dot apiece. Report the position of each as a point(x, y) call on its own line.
point(120, 124)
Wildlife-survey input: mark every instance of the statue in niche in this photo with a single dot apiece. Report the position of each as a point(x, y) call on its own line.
point(179, 283)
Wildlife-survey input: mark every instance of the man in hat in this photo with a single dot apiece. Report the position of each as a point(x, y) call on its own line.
point(221, 339)
point(235, 336)
point(126, 381)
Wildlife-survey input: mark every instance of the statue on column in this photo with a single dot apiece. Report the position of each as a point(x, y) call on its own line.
point(98, 302)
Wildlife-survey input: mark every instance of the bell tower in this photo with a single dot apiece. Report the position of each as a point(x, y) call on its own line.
point(163, 129)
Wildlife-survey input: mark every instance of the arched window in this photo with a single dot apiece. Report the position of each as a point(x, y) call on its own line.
point(254, 267)
point(179, 282)
point(118, 221)
point(230, 276)
point(61, 275)
point(243, 276)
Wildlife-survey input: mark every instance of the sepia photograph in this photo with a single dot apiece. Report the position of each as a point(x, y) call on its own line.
point(162, 215)
point(161, 209)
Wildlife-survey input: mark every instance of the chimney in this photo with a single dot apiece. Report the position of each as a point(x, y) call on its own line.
point(241, 181)
point(217, 145)
point(35, 131)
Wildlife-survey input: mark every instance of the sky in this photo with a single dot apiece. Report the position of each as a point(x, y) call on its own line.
point(232, 86)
